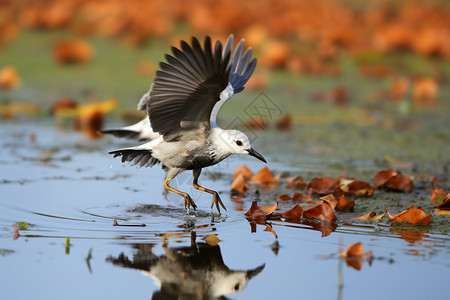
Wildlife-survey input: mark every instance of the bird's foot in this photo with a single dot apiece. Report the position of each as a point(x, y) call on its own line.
point(216, 200)
point(188, 202)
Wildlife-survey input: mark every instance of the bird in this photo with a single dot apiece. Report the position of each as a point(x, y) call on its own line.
point(183, 103)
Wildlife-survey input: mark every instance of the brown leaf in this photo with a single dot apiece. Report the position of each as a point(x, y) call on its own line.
point(265, 177)
point(425, 91)
point(244, 170)
point(445, 205)
point(354, 255)
point(257, 211)
point(73, 51)
point(212, 240)
point(330, 199)
point(284, 122)
point(295, 182)
point(351, 187)
point(9, 79)
point(394, 181)
point(344, 203)
point(414, 215)
point(437, 194)
point(284, 197)
point(259, 123)
point(295, 212)
point(298, 196)
point(372, 216)
point(322, 211)
point(238, 185)
point(322, 186)
point(382, 177)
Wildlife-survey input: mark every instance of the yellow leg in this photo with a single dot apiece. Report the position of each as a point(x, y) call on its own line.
point(216, 198)
point(187, 199)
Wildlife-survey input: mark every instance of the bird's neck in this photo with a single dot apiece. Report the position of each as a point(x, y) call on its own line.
point(219, 137)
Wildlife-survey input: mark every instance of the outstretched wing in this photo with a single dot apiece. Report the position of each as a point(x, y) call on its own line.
point(189, 85)
point(241, 69)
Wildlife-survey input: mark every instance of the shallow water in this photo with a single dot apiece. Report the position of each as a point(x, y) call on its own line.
point(66, 194)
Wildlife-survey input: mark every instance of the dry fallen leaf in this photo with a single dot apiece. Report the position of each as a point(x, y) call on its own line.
point(284, 122)
point(322, 211)
point(355, 256)
point(437, 194)
point(393, 181)
point(257, 211)
point(255, 123)
point(425, 91)
point(324, 185)
point(212, 240)
point(244, 170)
point(73, 51)
point(354, 187)
point(295, 182)
point(344, 203)
point(298, 196)
point(414, 215)
point(265, 177)
point(9, 79)
point(238, 185)
point(445, 205)
point(372, 216)
point(295, 212)
point(284, 197)
point(330, 199)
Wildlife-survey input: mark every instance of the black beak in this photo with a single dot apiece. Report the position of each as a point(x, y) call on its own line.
point(254, 153)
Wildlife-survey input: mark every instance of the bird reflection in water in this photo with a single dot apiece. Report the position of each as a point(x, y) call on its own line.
point(189, 272)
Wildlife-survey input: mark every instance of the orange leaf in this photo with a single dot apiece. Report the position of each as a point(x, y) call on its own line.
point(372, 216)
point(354, 255)
point(265, 176)
point(296, 212)
point(445, 205)
point(323, 212)
point(295, 182)
point(400, 182)
point(73, 51)
point(414, 215)
point(257, 211)
point(238, 185)
point(297, 196)
point(355, 187)
point(284, 123)
point(344, 203)
point(244, 170)
point(382, 177)
point(437, 194)
point(324, 185)
point(9, 78)
point(255, 123)
point(284, 197)
point(330, 199)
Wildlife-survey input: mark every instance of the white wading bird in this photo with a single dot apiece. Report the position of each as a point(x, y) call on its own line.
point(182, 105)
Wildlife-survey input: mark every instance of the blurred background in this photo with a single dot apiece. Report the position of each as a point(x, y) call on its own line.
point(328, 63)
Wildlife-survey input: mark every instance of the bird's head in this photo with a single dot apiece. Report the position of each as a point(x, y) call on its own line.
point(238, 142)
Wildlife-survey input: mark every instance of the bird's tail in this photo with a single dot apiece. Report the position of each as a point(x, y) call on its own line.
point(136, 156)
point(140, 131)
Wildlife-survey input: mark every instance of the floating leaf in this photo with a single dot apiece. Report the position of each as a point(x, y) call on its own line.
point(257, 211)
point(284, 197)
point(295, 212)
point(212, 240)
point(238, 185)
point(322, 211)
point(355, 256)
point(73, 51)
point(244, 170)
point(414, 215)
point(284, 122)
point(265, 177)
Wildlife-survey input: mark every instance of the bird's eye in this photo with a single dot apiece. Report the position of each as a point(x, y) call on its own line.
point(237, 287)
point(239, 143)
